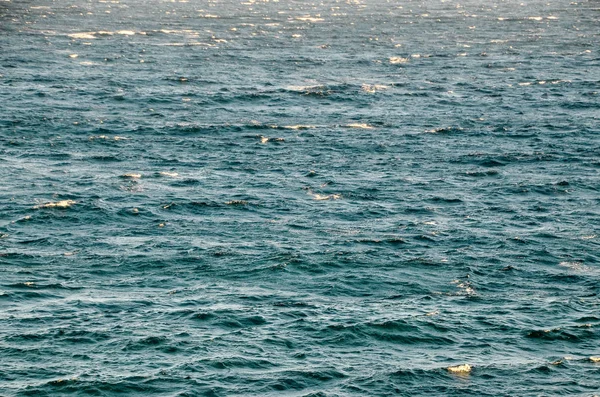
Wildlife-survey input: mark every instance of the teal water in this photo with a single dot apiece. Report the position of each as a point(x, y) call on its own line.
point(338, 198)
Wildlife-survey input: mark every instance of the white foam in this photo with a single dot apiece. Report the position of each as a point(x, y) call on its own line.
point(131, 176)
point(578, 266)
point(193, 43)
point(83, 35)
point(105, 137)
point(321, 197)
point(460, 369)
point(308, 18)
point(57, 204)
point(466, 287)
point(360, 125)
point(298, 127)
point(302, 88)
point(397, 60)
point(372, 88)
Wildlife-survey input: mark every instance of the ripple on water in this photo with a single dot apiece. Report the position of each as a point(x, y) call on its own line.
point(272, 198)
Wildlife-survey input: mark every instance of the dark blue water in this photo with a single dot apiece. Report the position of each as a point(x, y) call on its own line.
point(338, 198)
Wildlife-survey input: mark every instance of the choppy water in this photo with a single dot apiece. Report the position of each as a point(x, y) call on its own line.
point(339, 198)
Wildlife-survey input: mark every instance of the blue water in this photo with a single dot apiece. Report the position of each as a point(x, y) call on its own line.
point(338, 198)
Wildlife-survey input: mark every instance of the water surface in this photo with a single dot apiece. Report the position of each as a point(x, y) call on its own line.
point(295, 198)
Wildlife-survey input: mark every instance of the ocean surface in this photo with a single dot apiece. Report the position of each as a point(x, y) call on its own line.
point(297, 198)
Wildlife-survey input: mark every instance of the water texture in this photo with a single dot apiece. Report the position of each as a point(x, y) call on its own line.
point(295, 198)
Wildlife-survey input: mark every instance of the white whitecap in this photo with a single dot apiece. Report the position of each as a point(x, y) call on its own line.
point(83, 35)
point(363, 126)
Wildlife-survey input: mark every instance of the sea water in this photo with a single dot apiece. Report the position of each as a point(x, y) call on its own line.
point(299, 198)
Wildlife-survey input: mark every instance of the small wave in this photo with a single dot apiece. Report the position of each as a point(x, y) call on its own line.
point(203, 316)
point(188, 44)
point(573, 265)
point(304, 88)
point(25, 284)
point(363, 126)
point(460, 369)
point(587, 319)
point(373, 88)
point(570, 334)
point(445, 130)
point(184, 182)
point(104, 158)
point(466, 287)
point(308, 18)
point(227, 318)
point(325, 90)
point(449, 200)
point(131, 176)
point(83, 35)
point(322, 197)
point(56, 204)
point(299, 127)
point(24, 338)
point(145, 343)
point(106, 137)
point(94, 35)
point(237, 202)
point(241, 362)
point(492, 163)
point(482, 173)
point(264, 139)
point(34, 241)
point(398, 60)
point(35, 285)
